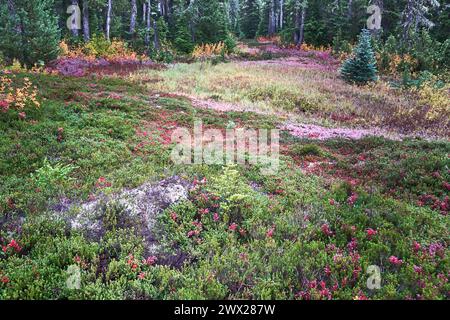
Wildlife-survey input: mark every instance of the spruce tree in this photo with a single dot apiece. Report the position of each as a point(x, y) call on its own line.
point(233, 16)
point(263, 27)
point(10, 40)
point(29, 30)
point(182, 39)
point(211, 21)
point(250, 18)
point(361, 67)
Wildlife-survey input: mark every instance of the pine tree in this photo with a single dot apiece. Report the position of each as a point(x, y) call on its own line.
point(182, 39)
point(10, 29)
point(250, 18)
point(29, 31)
point(361, 67)
point(415, 17)
point(264, 13)
point(212, 24)
point(233, 16)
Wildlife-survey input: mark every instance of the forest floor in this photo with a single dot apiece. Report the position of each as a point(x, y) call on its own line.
point(89, 185)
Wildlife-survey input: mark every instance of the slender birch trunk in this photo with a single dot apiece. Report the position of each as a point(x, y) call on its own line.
point(133, 17)
point(144, 12)
point(300, 16)
point(148, 24)
point(108, 20)
point(281, 13)
point(302, 26)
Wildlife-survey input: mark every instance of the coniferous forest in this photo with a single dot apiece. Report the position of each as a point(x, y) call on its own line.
point(224, 149)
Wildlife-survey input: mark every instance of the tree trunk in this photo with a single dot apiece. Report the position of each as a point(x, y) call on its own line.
point(277, 21)
point(161, 7)
point(156, 36)
point(108, 20)
point(168, 5)
point(297, 18)
point(408, 17)
point(148, 24)
point(164, 5)
point(75, 32)
point(86, 30)
point(281, 13)
point(350, 9)
point(144, 12)
point(301, 37)
point(272, 19)
point(133, 17)
point(300, 15)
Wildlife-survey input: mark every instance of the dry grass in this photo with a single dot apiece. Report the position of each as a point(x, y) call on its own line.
point(300, 88)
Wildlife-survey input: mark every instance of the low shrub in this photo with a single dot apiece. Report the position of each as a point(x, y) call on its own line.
point(282, 98)
point(436, 97)
point(208, 51)
point(50, 178)
point(99, 47)
point(17, 94)
point(307, 150)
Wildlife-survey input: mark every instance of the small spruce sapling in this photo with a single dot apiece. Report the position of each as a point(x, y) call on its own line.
point(361, 67)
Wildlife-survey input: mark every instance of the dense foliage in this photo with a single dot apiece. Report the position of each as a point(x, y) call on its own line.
point(31, 29)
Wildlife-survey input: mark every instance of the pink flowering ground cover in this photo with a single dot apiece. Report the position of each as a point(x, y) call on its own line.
point(315, 132)
point(222, 107)
point(80, 67)
point(292, 57)
point(292, 62)
point(299, 130)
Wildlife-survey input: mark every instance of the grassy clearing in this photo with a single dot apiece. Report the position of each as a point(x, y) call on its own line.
point(298, 88)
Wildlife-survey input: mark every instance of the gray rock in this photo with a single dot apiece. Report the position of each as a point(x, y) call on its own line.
point(136, 209)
